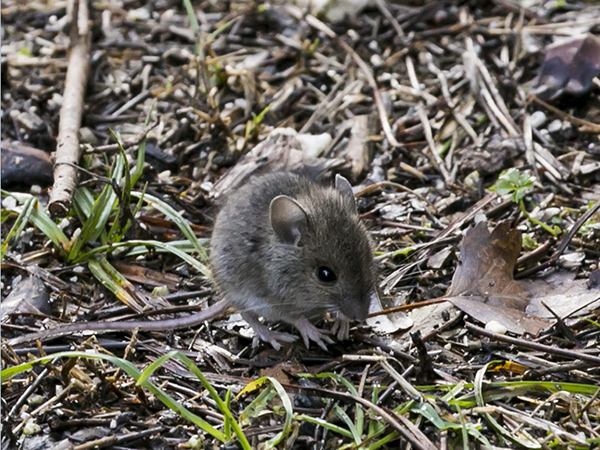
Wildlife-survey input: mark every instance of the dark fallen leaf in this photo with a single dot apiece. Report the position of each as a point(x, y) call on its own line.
point(569, 67)
point(25, 166)
point(158, 159)
point(487, 265)
point(483, 285)
point(29, 296)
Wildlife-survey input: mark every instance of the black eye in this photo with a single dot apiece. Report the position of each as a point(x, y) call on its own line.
point(326, 275)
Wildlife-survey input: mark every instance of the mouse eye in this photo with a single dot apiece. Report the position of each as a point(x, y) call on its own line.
point(326, 275)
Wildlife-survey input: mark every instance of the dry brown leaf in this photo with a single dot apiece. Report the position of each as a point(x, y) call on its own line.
point(282, 150)
point(29, 296)
point(569, 67)
point(484, 288)
point(487, 265)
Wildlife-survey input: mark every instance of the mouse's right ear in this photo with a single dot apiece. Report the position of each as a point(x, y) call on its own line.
point(288, 219)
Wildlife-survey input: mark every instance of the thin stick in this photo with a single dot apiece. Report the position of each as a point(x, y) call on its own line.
point(67, 148)
point(523, 343)
point(364, 67)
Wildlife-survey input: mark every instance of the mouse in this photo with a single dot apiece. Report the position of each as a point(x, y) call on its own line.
point(288, 249)
point(284, 248)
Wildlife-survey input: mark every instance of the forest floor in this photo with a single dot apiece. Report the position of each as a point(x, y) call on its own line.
point(470, 133)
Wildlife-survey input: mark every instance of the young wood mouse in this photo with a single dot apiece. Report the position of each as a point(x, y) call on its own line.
point(288, 249)
point(283, 248)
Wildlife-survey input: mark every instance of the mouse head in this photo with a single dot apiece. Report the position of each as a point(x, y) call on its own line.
point(324, 259)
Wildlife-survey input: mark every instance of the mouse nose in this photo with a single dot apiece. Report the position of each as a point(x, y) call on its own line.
point(357, 308)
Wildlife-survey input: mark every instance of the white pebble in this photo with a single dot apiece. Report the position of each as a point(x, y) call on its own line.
point(495, 327)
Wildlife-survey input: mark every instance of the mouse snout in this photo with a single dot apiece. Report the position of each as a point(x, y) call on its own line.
point(356, 308)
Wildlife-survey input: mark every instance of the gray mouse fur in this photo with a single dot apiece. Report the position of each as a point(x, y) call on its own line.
point(269, 241)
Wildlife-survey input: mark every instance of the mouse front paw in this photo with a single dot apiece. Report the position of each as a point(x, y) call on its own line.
point(311, 333)
point(341, 328)
point(274, 338)
point(264, 334)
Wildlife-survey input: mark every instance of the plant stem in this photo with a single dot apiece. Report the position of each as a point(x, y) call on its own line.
point(535, 221)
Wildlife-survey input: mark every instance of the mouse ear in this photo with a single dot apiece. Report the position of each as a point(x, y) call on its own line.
point(288, 219)
point(343, 185)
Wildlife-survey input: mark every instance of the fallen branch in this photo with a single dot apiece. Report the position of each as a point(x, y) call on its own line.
point(67, 147)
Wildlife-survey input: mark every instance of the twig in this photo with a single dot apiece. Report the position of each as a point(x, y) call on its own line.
point(383, 117)
point(114, 148)
point(522, 343)
point(435, 159)
point(67, 148)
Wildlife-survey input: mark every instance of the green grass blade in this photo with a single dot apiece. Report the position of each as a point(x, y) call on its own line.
point(103, 208)
point(133, 372)
point(41, 219)
point(189, 9)
point(265, 397)
point(83, 203)
point(523, 439)
point(323, 423)
point(260, 402)
point(113, 281)
point(161, 245)
point(95, 224)
point(211, 391)
point(22, 220)
point(227, 421)
point(346, 419)
point(359, 415)
point(176, 218)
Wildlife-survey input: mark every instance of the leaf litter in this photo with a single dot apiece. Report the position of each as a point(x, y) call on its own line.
point(422, 106)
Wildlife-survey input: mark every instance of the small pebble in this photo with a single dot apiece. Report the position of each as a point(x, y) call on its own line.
point(538, 118)
point(555, 126)
point(495, 327)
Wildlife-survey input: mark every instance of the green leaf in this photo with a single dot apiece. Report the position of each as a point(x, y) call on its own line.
point(41, 219)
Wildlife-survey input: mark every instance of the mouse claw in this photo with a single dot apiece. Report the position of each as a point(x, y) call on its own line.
point(311, 333)
point(272, 337)
point(341, 328)
point(263, 333)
